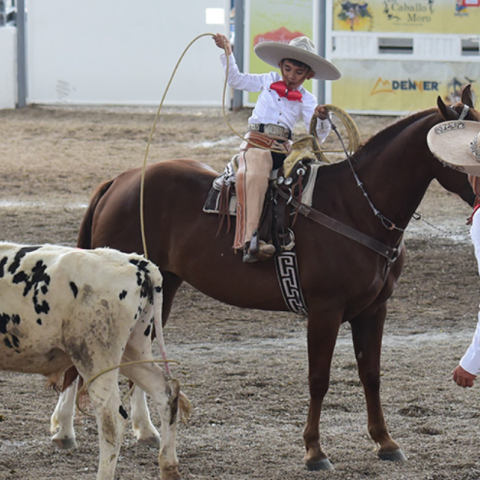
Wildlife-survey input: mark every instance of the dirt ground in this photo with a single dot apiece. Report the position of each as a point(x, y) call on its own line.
point(244, 370)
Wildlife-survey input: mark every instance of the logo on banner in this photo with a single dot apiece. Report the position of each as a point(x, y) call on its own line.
point(462, 5)
point(355, 15)
point(393, 86)
point(408, 11)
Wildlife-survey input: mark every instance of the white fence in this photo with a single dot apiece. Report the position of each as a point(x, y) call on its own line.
point(8, 70)
point(122, 52)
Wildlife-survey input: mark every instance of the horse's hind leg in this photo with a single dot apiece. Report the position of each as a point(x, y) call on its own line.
point(367, 332)
point(321, 343)
point(171, 283)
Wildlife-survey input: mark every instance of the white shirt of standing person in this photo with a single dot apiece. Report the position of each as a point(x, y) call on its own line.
point(471, 360)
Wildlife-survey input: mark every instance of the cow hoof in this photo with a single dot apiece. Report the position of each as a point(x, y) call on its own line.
point(170, 473)
point(64, 443)
point(396, 456)
point(323, 464)
point(152, 441)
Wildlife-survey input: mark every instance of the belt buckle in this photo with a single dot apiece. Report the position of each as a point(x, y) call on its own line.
point(275, 130)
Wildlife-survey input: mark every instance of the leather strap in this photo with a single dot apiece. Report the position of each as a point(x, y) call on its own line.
point(391, 254)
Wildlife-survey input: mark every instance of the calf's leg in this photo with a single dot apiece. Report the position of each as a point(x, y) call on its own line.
point(142, 426)
point(62, 419)
point(165, 394)
point(111, 420)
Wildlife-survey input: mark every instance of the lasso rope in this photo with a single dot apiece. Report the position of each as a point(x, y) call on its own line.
point(127, 364)
point(353, 141)
point(142, 185)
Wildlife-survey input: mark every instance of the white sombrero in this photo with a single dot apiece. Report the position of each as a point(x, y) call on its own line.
point(301, 49)
point(457, 144)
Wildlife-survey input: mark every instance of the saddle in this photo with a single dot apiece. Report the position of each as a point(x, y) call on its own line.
point(296, 177)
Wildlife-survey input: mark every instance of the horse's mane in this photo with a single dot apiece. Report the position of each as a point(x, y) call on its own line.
point(379, 140)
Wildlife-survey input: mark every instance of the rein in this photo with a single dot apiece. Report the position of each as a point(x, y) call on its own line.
point(391, 254)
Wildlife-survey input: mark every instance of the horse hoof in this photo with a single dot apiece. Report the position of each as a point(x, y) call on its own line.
point(323, 464)
point(64, 443)
point(152, 441)
point(396, 456)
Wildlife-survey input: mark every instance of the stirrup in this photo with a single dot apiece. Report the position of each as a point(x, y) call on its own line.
point(264, 252)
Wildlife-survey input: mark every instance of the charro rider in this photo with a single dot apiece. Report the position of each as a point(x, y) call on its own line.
point(282, 102)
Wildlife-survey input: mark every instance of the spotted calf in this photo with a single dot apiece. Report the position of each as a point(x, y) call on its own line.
point(93, 309)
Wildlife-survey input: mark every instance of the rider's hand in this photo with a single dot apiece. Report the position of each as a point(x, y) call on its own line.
point(321, 112)
point(221, 41)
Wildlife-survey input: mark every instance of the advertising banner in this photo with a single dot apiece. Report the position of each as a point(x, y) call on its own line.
point(401, 86)
point(408, 16)
point(276, 21)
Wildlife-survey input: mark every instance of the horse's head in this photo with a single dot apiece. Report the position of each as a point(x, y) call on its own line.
point(450, 179)
point(465, 107)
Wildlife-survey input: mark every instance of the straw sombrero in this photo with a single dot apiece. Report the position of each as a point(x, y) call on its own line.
point(301, 49)
point(457, 144)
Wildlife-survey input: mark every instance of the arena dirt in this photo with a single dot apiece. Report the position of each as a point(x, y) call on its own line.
point(245, 371)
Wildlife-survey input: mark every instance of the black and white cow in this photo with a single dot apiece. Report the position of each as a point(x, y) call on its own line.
point(93, 309)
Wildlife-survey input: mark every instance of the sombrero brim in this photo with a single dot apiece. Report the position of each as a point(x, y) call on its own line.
point(450, 143)
point(273, 52)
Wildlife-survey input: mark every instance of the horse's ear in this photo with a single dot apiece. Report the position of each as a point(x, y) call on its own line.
point(467, 98)
point(447, 112)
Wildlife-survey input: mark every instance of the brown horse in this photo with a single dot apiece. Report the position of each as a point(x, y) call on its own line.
point(341, 280)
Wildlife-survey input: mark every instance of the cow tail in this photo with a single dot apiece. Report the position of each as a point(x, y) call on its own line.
point(157, 288)
point(179, 402)
point(84, 239)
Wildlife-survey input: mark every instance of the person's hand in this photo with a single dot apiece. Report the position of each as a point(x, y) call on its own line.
point(462, 378)
point(221, 41)
point(321, 112)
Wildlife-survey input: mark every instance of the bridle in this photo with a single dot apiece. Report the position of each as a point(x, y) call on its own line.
point(388, 224)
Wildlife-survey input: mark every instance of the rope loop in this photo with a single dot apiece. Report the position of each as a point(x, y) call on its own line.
point(103, 372)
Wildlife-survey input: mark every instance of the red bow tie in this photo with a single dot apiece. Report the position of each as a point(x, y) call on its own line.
point(283, 91)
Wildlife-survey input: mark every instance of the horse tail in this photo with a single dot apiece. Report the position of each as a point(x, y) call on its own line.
point(84, 239)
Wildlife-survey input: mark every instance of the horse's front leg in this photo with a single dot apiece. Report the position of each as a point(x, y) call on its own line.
point(322, 335)
point(367, 332)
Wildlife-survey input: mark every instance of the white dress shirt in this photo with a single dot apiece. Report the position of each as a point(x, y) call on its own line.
point(471, 360)
point(270, 107)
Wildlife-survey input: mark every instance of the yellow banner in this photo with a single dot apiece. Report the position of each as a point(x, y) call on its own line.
point(408, 16)
point(396, 86)
point(277, 21)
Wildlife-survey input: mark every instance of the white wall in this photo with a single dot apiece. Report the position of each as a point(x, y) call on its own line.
point(8, 69)
point(122, 52)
